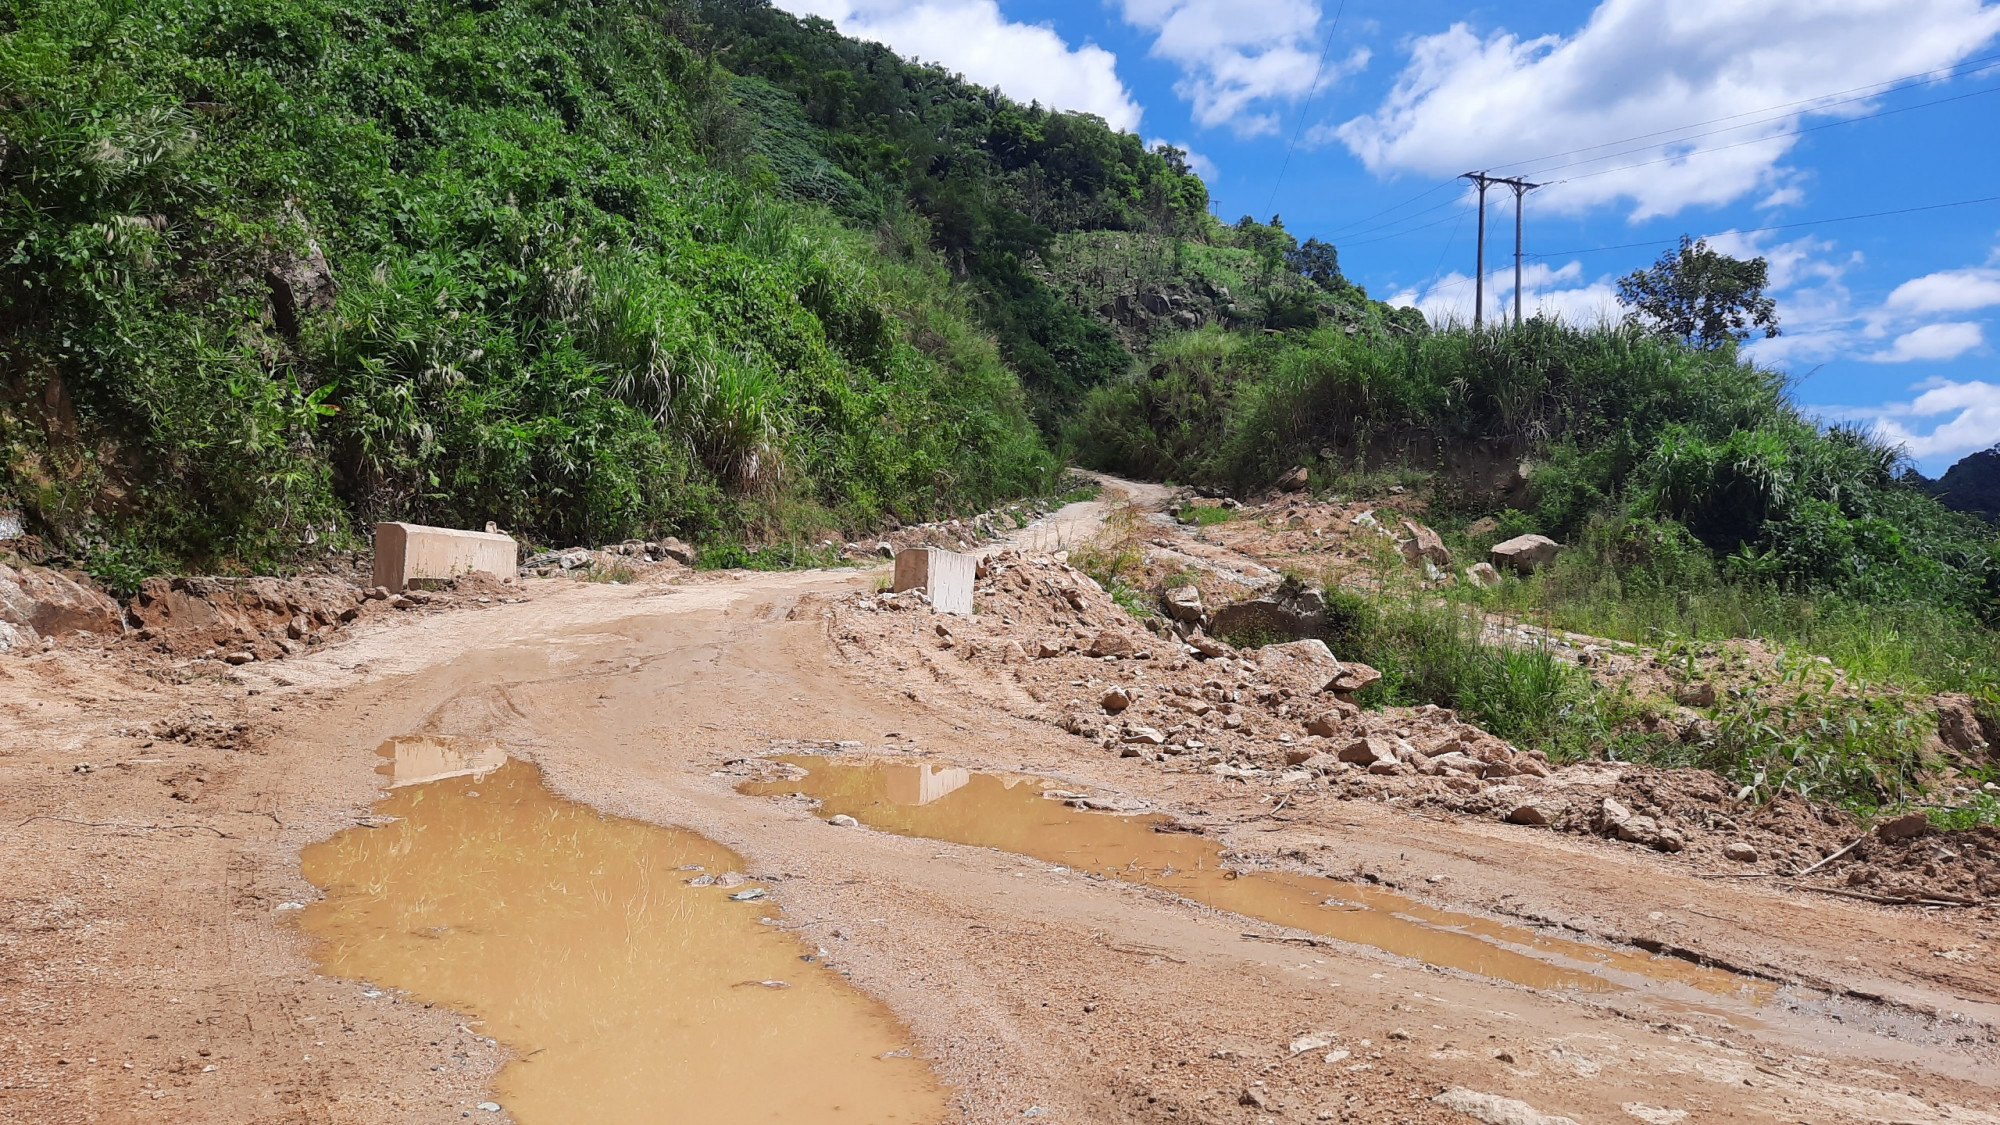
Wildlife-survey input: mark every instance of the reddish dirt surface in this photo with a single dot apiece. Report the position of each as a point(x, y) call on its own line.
point(152, 810)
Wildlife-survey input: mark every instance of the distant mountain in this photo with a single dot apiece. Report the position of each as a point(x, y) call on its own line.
point(1972, 485)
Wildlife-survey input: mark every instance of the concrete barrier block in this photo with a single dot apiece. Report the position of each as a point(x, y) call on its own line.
point(946, 576)
point(409, 554)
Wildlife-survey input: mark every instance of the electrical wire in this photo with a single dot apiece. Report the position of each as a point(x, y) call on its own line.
point(1306, 109)
point(1777, 226)
point(1788, 134)
point(1360, 227)
point(1928, 77)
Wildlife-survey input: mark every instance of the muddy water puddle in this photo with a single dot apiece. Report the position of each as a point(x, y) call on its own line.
point(625, 993)
point(1010, 813)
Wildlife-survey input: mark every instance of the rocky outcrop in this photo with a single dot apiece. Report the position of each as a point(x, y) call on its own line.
point(38, 601)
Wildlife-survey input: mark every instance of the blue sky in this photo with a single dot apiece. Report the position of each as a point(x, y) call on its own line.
point(1648, 118)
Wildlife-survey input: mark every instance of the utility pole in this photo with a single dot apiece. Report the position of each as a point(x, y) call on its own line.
point(1521, 188)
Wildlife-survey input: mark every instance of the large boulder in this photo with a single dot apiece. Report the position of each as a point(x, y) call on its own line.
point(1420, 543)
point(51, 604)
point(1293, 481)
point(1288, 614)
point(1525, 554)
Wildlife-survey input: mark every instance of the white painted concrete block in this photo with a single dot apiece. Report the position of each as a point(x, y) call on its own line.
point(407, 553)
point(946, 576)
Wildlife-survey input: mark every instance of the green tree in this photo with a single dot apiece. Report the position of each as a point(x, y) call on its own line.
point(1701, 295)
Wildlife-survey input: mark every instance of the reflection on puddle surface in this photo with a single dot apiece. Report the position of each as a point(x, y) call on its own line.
point(626, 994)
point(425, 758)
point(1008, 812)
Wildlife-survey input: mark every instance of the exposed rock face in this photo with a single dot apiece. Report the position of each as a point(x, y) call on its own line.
point(51, 604)
point(1293, 481)
point(1525, 553)
point(1958, 723)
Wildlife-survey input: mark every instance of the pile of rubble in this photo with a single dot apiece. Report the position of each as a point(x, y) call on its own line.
point(1179, 697)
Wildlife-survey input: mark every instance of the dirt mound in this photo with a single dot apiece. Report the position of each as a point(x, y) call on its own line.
point(240, 620)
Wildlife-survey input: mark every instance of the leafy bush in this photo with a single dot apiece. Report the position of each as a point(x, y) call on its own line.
point(280, 269)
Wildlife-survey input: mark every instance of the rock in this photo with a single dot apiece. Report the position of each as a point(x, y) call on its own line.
point(1421, 543)
point(1206, 645)
point(1524, 553)
point(1299, 755)
point(1255, 1098)
point(1739, 851)
point(1368, 751)
point(1184, 603)
point(398, 601)
point(1294, 481)
point(490, 1107)
point(1115, 700)
point(1269, 619)
point(750, 895)
point(1304, 1043)
point(1113, 642)
point(1014, 653)
point(1326, 724)
point(1668, 840)
point(1484, 525)
point(1047, 649)
point(51, 604)
point(243, 657)
point(1310, 654)
point(885, 550)
point(1351, 676)
point(1538, 810)
point(1958, 722)
point(1701, 693)
point(1144, 736)
point(1638, 830)
point(842, 820)
point(1906, 827)
point(1496, 1110)
point(1482, 575)
point(1611, 814)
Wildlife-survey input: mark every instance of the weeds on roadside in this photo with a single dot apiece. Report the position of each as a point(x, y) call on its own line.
point(1204, 515)
point(776, 556)
point(1116, 553)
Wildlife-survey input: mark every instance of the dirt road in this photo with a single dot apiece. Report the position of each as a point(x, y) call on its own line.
point(151, 968)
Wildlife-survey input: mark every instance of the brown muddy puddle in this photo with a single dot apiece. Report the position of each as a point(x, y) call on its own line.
point(1009, 812)
point(626, 994)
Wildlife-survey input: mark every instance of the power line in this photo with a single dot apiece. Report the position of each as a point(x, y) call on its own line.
point(1962, 69)
point(1306, 109)
point(1753, 141)
point(1983, 62)
point(1779, 226)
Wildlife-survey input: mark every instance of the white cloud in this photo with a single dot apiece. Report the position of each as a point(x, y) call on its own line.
point(1641, 67)
point(1947, 291)
point(1028, 62)
point(1545, 291)
point(1236, 54)
point(1944, 422)
point(1948, 340)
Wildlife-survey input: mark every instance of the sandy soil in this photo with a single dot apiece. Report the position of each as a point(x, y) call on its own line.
point(148, 972)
